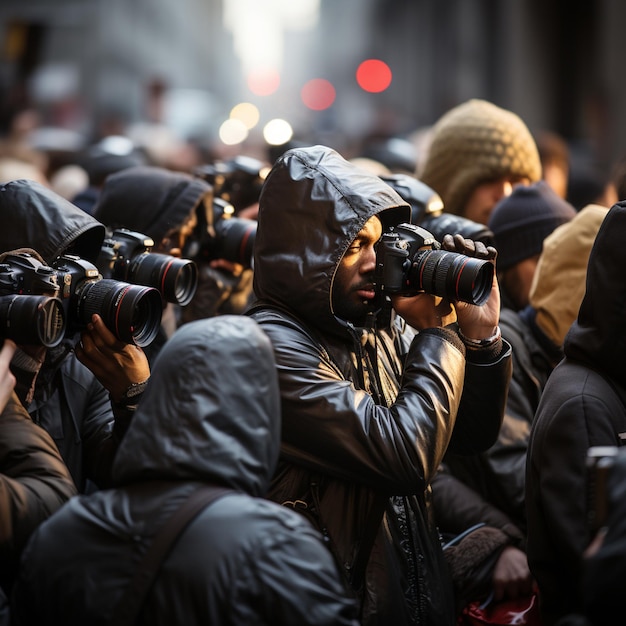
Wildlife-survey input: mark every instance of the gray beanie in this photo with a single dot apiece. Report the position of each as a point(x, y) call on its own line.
point(520, 222)
point(475, 142)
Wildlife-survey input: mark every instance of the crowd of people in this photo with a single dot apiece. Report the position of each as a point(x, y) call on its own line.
point(333, 392)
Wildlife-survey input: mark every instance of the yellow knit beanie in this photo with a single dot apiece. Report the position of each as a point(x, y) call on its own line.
point(475, 142)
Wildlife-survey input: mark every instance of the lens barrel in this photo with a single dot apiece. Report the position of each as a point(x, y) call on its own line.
point(131, 312)
point(32, 320)
point(453, 276)
point(176, 279)
point(235, 240)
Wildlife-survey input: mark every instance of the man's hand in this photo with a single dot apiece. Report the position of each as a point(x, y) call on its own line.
point(511, 576)
point(476, 322)
point(115, 364)
point(7, 380)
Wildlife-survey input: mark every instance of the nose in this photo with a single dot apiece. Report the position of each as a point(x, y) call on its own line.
point(368, 263)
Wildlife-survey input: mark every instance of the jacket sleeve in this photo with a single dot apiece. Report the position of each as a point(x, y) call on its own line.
point(483, 401)
point(34, 482)
point(333, 427)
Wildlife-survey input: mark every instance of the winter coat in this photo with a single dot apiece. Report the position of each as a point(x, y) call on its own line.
point(583, 405)
point(34, 483)
point(367, 414)
point(210, 414)
point(69, 401)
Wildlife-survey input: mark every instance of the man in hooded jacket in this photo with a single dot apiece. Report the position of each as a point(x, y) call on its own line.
point(367, 412)
point(77, 391)
point(583, 404)
point(210, 414)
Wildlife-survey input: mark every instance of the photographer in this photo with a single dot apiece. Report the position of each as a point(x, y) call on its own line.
point(168, 206)
point(583, 404)
point(34, 481)
point(86, 411)
point(369, 404)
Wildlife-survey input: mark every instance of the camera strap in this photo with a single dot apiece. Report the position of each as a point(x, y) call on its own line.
point(129, 607)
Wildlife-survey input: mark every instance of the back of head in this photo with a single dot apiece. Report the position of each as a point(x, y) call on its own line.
point(475, 142)
point(36, 217)
point(520, 222)
point(559, 282)
point(150, 200)
point(211, 411)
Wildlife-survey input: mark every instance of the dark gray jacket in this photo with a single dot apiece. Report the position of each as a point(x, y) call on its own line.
point(211, 414)
point(69, 401)
point(583, 404)
point(367, 415)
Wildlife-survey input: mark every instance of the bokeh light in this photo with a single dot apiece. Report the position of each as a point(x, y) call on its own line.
point(232, 132)
point(373, 75)
point(318, 94)
point(263, 82)
point(247, 113)
point(277, 132)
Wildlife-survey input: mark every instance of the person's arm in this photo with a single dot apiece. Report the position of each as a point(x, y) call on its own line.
point(34, 481)
point(332, 426)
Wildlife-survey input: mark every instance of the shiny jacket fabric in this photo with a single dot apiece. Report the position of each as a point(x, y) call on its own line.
point(69, 401)
point(493, 486)
point(583, 405)
point(210, 414)
point(34, 483)
point(367, 414)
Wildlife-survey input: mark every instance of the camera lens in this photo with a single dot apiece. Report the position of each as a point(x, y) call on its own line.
point(176, 279)
point(32, 320)
point(131, 312)
point(452, 276)
point(235, 240)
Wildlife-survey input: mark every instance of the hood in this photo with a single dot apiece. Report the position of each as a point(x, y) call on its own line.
point(211, 411)
point(312, 206)
point(34, 216)
point(150, 200)
point(559, 282)
point(598, 336)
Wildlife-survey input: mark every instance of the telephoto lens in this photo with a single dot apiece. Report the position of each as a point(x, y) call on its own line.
point(131, 312)
point(32, 320)
point(453, 276)
point(176, 279)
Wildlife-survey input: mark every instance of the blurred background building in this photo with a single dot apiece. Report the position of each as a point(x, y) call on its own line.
point(91, 68)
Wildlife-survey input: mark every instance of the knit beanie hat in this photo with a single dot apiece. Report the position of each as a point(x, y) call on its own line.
point(475, 142)
point(520, 222)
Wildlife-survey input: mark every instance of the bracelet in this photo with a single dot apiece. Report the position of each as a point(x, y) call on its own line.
point(134, 389)
point(477, 344)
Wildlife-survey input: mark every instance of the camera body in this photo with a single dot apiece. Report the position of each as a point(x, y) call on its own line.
point(127, 255)
point(30, 311)
point(409, 260)
point(131, 312)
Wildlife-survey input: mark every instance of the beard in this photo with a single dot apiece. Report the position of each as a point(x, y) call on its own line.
point(347, 305)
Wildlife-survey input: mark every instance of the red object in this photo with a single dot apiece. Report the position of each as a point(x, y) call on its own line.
point(523, 611)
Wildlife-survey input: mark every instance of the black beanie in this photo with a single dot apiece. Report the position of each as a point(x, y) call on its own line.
point(520, 222)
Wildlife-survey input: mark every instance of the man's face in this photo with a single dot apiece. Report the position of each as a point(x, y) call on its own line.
point(517, 280)
point(487, 194)
point(353, 286)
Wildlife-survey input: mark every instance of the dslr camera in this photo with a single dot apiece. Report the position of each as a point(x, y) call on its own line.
point(127, 255)
point(221, 235)
point(30, 311)
point(410, 260)
point(131, 312)
point(238, 181)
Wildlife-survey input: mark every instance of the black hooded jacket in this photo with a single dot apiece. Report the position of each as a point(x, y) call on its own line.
point(210, 414)
point(69, 401)
point(367, 414)
point(583, 404)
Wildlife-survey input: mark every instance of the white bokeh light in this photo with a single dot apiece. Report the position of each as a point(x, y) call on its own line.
point(277, 132)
